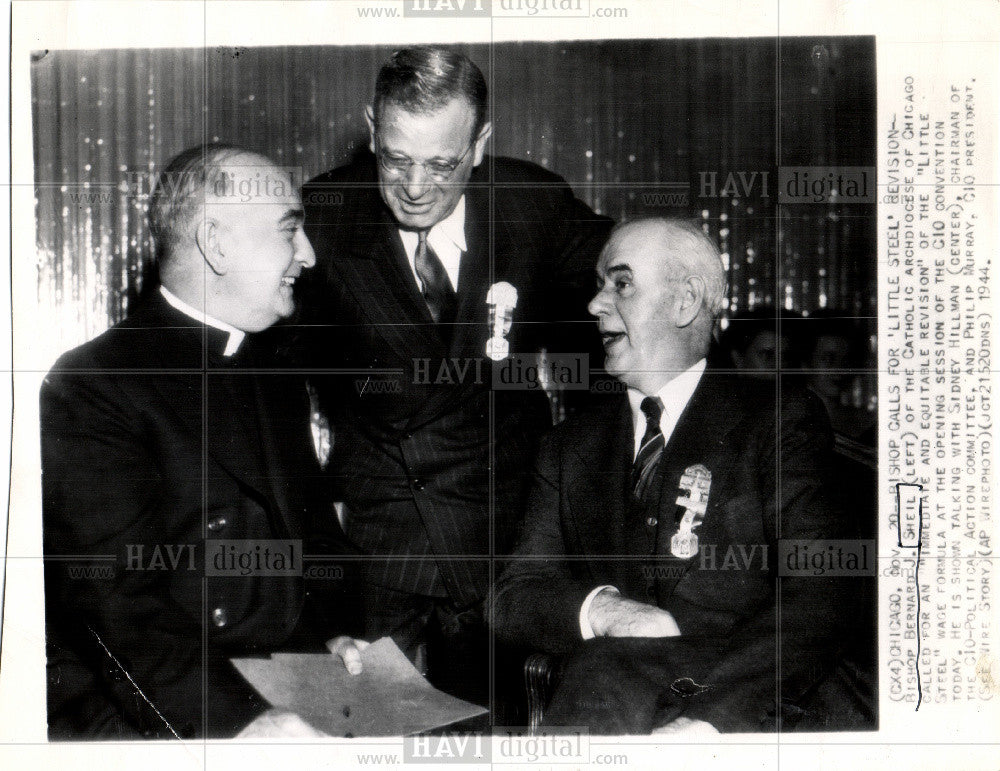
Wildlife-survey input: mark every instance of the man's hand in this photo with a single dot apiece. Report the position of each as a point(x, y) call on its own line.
point(349, 651)
point(686, 727)
point(611, 615)
point(279, 724)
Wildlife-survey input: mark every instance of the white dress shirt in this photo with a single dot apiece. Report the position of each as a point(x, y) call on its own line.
point(236, 336)
point(446, 238)
point(675, 395)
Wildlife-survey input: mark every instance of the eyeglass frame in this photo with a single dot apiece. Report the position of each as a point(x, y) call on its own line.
point(410, 163)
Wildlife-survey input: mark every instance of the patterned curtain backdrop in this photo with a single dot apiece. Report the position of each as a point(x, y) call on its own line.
point(693, 128)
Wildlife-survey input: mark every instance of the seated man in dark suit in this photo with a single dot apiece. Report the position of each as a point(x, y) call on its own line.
point(673, 508)
point(179, 482)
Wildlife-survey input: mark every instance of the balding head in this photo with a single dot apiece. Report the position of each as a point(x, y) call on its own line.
point(661, 287)
point(228, 229)
point(177, 204)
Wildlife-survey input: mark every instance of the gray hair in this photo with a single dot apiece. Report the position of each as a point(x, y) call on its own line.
point(180, 193)
point(694, 254)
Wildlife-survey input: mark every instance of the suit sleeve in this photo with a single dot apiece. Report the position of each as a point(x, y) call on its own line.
point(122, 638)
point(537, 599)
point(323, 337)
point(769, 663)
point(580, 235)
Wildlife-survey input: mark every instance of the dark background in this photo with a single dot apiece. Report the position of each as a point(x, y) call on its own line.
point(620, 120)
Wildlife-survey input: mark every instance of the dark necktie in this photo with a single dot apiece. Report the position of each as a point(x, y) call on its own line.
point(650, 448)
point(434, 283)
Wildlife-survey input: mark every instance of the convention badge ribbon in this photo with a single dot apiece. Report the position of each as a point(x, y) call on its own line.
point(502, 300)
point(696, 482)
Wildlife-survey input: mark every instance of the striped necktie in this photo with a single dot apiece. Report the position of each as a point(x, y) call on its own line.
point(434, 283)
point(650, 448)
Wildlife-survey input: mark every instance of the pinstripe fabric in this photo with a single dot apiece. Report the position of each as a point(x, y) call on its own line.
point(432, 462)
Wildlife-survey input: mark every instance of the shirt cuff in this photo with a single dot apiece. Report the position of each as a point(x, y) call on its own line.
point(585, 628)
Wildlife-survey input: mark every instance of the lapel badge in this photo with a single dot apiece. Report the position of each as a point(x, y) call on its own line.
point(696, 482)
point(319, 426)
point(502, 300)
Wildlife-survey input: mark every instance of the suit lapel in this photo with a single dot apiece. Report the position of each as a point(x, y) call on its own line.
point(400, 277)
point(596, 463)
point(698, 436)
point(377, 272)
point(469, 337)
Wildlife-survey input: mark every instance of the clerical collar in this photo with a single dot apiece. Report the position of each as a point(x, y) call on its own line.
point(675, 395)
point(236, 336)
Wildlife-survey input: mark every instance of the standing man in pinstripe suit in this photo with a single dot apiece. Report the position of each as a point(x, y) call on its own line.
point(430, 460)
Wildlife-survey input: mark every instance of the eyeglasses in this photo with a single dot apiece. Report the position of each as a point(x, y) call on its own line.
point(400, 165)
